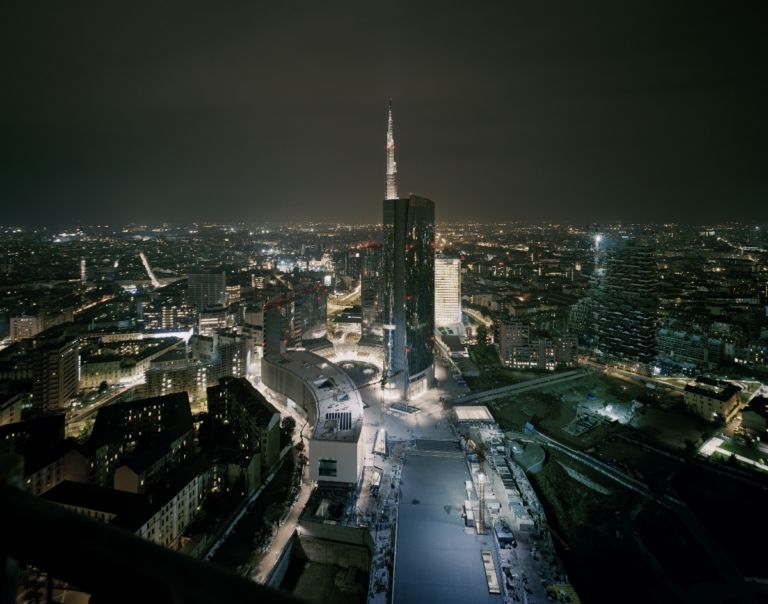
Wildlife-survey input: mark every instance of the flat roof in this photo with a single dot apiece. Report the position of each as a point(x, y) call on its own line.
point(339, 406)
point(453, 343)
point(471, 413)
point(716, 389)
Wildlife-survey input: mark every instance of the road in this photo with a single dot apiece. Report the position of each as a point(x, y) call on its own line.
point(623, 373)
point(338, 303)
point(263, 563)
point(76, 419)
point(549, 380)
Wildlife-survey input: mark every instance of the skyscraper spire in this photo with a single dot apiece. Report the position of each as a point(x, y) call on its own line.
point(391, 165)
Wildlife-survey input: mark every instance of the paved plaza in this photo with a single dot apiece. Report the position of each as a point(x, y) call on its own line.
point(438, 559)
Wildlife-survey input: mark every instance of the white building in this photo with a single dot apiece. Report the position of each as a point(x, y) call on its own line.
point(333, 405)
point(447, 291)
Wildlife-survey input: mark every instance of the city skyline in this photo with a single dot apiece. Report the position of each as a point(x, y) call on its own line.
point(510, 111)
point(535, 369)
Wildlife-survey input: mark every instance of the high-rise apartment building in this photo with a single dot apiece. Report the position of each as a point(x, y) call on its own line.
point(206, 290)
point(447, 291)
point(624, 308)
point(372, 292)
point(55, 372)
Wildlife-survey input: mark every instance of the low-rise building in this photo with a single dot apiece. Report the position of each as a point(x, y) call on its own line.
point(48, 457)
point(122, 362)
point(11, 408)
point(122, 428)
point(521, 348)
point(234, 403)
point(754, 416)
point(334, 406)
point(712, 400)
point(160, 515)
point(682, 347)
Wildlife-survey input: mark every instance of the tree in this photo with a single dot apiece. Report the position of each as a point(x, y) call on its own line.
point(103, 387)
point(288, 424)
point(482, 337)
point(287, 428)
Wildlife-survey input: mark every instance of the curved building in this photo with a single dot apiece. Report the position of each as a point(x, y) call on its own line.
point(332, 402)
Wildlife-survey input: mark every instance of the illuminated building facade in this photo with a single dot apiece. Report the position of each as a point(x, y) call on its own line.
point(55, 372)
point(447, 291)
point(409, 293)
point(625, 306)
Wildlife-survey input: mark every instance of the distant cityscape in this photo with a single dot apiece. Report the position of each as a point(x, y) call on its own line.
point(408, 411)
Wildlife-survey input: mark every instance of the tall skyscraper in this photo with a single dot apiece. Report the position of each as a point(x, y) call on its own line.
point(372, 292)
point(391, 190)
point(625, 305)
point(409, 293)
point(447, 291)
point(205, 290)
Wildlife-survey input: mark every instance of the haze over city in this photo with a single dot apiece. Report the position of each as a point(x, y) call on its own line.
point(392, 303)
point(123, 112)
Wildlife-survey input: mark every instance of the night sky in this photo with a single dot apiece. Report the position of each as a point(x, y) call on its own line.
point(255, 111)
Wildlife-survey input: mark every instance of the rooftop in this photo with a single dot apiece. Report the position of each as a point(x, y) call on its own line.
point(473, 413)
point(169, 414)
point(711, 388)
point(339, 406)
point(92, 497)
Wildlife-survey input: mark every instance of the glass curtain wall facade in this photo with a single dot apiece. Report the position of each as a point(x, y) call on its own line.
point(409, 294)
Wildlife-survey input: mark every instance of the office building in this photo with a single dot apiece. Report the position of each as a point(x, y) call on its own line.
point(409, 284)
point(409, 298)
point(447, 291)
point(334, 408)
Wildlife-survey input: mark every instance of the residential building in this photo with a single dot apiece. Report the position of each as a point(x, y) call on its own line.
point(624, 308)
point(712, 400)
point(55, 372)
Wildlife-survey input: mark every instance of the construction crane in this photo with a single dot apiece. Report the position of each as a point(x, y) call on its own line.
point(152, 278)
